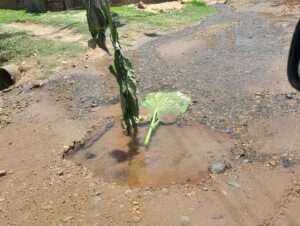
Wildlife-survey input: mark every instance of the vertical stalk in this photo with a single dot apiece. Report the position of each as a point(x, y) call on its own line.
point(153, 126)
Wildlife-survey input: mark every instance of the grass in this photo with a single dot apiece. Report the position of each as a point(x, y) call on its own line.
point(16, 45)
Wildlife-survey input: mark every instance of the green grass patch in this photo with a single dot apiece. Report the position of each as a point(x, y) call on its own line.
point(16, 46)
point(133, 18)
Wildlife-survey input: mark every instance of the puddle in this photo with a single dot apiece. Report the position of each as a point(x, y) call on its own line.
point(177, 154)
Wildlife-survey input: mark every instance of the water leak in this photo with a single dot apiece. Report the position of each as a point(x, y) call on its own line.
point(176, 153)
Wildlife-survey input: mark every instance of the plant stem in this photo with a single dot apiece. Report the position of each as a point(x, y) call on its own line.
point(153, 126)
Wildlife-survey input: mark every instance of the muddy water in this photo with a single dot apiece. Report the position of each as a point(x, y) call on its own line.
point(177, 154)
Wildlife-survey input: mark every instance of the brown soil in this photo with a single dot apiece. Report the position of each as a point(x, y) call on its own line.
point(252, 127)
point(43, 31)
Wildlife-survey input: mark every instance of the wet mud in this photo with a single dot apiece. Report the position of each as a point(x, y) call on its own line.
point(179, 154)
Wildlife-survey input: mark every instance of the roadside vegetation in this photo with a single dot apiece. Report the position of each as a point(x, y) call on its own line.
point(16, 44)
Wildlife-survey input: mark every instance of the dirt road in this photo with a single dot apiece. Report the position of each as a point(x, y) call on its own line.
point(233, 65)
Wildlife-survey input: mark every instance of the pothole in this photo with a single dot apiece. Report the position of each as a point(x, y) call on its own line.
point(177, 154)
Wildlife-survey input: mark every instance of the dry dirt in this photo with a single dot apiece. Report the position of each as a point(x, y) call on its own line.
point(48, 32)
point(244, 113)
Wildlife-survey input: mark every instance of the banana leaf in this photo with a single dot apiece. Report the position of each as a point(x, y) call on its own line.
point(99, 19)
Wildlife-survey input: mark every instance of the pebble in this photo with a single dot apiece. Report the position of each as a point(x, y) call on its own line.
point(204, 189)
point(234, 184)
point(148, 193)
point(95, 199)
point(272, 163)
point(127, 192)
point(217, 168)
point(68, 218)
point(136, 219)
point(135, 202)
point(2, 173)
point(286, 162)
point(60, 172)
point(184, 220)
point(165, 191)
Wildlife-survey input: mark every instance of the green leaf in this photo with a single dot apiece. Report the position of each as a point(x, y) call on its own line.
point(162, 107)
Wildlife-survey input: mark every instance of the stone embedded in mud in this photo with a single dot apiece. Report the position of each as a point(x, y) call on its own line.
point(184, 220)
point(148, 193)
point(136, 219)
point(165, 191)
point(286, 162)
point(217, 168)
point(95, 199)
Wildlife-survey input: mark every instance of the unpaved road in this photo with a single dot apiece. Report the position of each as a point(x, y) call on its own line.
point(244, 112)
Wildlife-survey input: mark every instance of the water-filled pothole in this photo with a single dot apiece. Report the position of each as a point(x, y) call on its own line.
point(177, 154)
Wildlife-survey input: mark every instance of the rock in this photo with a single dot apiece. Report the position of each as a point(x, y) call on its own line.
point(217, 168)
point(148, 193)
point(68, 218)
point(272, 163)
point(2, 199)
point(135, 202)
point(248, 161)
point(184, 220)
point(2, 173)
point(95, 199)
point(289, 96)
point(204, 189)
point(86, 66)
point(128, 192)
point(286, 162)
point(141, 5)
point(59, 172)
point(165, 191)
point(234, 184)
point(136, 219)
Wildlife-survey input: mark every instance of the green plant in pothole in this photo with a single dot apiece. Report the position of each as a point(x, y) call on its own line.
point(99, 19)
point(162, 107)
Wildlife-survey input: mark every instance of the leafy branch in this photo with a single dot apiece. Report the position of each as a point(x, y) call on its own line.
point(99, 19)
